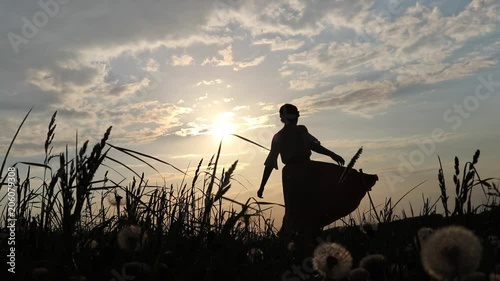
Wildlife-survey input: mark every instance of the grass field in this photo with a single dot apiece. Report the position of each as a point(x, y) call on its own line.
point(80, 224)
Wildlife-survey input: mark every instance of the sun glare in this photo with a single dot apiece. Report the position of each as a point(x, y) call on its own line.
point(223, 125)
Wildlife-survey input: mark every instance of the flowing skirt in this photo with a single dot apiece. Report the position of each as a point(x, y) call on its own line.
point(314, 198)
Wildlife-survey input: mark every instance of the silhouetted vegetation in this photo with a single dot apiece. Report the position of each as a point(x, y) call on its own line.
point(193, 231)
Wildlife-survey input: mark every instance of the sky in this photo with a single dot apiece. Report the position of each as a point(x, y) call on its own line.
point(407, 80)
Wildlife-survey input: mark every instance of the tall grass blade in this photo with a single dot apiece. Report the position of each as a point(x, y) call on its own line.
point(145, 155)
point(10, 147)
point(250, 141)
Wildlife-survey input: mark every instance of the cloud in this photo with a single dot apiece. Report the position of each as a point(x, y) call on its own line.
point(151, 66)
point(279, 44)
point(390, 143)
point(225, 58)
point(193, 129)
point(361, 98)
point(290, 18)
point(251, 123)
point(187, 156)
point(248, 63)
point(299, 85)
point(143, 120)
point(66, 77)
point(97, 30)
point(205, 96)
point(417, 45)
point(93, 55)
point(210, 82)
point(182, 60)
point(268, 107)
point(240, 107)
point(431, 73)
point(70, 63)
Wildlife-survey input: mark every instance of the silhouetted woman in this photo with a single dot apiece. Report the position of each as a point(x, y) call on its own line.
point(294, 143)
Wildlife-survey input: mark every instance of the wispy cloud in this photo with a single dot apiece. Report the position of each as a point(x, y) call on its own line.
point(182, 60)
point(210, 82)
point(225, 58)
point(279, 44)
point(304, 84)
point(391, 143)
point(361, 98)
point(152, 65)
point(248, 63)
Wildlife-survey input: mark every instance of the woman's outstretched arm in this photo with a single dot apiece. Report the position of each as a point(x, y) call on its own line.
point(322, 150)
point(270, 164)
point(265, 177)
point(316, 146)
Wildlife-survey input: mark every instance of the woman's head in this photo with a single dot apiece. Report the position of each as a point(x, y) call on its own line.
point(289, 114)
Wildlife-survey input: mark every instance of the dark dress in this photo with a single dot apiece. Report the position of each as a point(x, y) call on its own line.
point(312, 193)
point(294, 144)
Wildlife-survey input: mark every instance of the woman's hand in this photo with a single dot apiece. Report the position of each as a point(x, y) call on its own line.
point(259, 193)
point(337, 158)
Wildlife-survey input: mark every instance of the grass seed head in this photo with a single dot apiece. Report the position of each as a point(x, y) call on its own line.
point(332, 261)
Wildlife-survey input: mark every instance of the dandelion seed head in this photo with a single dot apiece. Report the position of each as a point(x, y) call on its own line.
point(111, 199)
point(94, 247)
point(255, 255)
point(375, 265)
point(132, 238)
point(114, 199)
point(450, 252)
point(424, 234)
point(494, 277)
point(332, 260)
point(359, 274)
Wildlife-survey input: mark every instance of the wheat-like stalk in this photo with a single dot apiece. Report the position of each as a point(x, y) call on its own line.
point(350, 165)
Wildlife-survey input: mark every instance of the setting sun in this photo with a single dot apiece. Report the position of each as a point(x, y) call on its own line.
point(223, 125)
